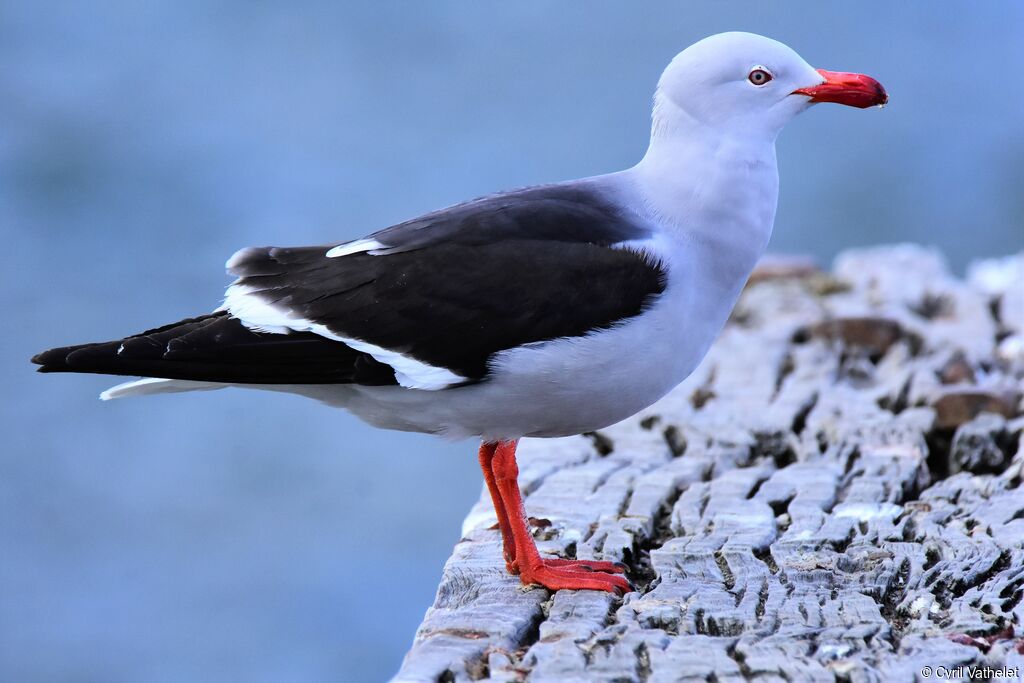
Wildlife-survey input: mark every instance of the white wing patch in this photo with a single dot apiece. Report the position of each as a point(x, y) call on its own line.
point(256, 314)
point(355, 247)
point(409, 372)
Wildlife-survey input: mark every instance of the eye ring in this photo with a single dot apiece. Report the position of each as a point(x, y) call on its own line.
point(759, 76)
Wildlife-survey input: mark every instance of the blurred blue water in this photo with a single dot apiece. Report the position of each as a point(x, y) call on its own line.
point(239, 536)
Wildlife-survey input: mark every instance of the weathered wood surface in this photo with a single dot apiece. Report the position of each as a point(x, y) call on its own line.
point(835, 494)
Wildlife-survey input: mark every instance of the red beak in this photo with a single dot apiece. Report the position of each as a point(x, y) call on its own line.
point(854, 90)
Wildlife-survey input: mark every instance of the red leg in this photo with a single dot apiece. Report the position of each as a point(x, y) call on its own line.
point(553, 574)
point(486, 456)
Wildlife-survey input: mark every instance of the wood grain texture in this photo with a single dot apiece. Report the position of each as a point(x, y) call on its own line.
point(835, 494)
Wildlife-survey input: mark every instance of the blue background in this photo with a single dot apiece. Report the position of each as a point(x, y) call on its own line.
point(238, 536)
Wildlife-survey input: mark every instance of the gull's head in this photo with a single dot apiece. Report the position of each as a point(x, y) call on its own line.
point(745, 84)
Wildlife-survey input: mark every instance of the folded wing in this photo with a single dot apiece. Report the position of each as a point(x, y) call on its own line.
point(425, 304)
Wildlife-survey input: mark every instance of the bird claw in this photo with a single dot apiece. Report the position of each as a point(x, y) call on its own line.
point(576, 575)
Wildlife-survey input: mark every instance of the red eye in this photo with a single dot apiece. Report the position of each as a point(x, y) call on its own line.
point(759, 76)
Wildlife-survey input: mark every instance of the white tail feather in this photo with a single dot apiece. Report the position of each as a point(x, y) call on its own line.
point(156, 385)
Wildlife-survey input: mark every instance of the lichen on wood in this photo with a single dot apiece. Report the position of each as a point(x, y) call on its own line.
point(835, 494)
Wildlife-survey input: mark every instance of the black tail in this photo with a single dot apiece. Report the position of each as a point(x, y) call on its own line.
point(218, 348)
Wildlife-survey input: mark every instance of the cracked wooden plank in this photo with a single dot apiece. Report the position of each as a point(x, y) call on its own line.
point(835, 494)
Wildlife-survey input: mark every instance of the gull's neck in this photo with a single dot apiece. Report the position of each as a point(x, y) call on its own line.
point(708, 182)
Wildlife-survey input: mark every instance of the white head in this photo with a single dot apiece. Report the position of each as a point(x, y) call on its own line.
point(743, 84)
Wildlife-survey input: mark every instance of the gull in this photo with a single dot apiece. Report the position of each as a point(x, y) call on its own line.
point(541, 312)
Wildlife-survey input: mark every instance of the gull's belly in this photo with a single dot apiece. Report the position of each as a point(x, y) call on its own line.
point(544, 394)
point(568, 386)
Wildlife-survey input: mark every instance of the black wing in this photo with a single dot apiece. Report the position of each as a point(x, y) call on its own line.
point(455, 287)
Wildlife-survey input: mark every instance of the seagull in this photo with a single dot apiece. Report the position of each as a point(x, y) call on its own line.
point(547, 311)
